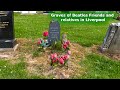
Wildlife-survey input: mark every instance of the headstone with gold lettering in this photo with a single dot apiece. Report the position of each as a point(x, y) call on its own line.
point(7, 36)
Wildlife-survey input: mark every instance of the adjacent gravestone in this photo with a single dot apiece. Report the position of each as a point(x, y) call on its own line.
point(48, 11)
point(7, 37)
point(28, 12)
point(54, 32)
point(112, 40)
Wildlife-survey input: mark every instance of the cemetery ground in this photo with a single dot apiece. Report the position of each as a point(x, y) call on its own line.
point(86, 60)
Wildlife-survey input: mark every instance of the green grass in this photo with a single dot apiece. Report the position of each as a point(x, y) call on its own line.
point(10, 71)
point(16, 71)
point(100, 67)
point(86, 34)
point(30, 26)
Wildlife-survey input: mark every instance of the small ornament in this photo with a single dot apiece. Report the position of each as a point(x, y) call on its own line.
point(64, 38)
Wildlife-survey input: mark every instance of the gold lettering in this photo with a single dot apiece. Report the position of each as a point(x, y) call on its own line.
point(3, 24)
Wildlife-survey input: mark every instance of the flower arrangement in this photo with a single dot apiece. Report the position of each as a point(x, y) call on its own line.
point(56, 59)
point(60, 59)
point(45, 34)
point(43, 42)
point(66, 45)
point(65, 42)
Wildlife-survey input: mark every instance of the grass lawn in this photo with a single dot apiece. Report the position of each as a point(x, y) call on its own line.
point(100, 67)
point(87, 35)
point(9, 71)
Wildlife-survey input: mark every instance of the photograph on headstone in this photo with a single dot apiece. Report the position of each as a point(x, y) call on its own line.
point(59, 45)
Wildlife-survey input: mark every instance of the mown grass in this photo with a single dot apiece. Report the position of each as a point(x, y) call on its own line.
point(30, 26)
point(100, 67)
point(10, 71)
point(86, 34)
point(16, 71)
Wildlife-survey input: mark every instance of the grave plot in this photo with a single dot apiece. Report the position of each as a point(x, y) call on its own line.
point(40, 56)
point(57, 54)
point(39, 62)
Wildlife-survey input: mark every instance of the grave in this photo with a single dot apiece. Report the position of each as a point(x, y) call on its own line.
point(7, 36)
point(54, 32)
point(111, 42)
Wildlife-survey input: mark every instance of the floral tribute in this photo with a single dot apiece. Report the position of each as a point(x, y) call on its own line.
point(43, 42)
point(45, 34)
point(66, 45)
point(56, 59)
point(60, 59)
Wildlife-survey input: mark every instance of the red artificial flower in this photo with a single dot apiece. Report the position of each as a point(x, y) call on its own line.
point(39, 42)
point(45, 34)
point(67, 57)
point(55, 55)
point(69, 52)
point(68, 42)
point(51, 56)
point(65, 45)
point(57, 59)
point(61, 61)
point(54, 60)
point(62, 57)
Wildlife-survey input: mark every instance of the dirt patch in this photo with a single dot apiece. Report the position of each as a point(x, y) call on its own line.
point(10, 55)
point(96, 49)
point(41, 65)
point(24, 45)
point(114, 56)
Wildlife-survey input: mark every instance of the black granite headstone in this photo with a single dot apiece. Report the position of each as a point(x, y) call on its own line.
point(7, 29)
point(54, 32)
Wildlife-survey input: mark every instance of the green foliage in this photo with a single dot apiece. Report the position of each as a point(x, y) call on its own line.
point(56, 46)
